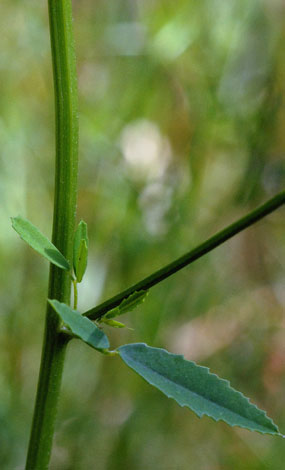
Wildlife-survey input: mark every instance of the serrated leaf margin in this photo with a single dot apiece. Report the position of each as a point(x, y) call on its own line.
point(226, 382)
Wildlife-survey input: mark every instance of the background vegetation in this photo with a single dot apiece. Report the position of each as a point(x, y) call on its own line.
point(182, 131)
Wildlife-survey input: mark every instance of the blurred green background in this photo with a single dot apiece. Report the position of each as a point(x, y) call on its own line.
point(181, 132)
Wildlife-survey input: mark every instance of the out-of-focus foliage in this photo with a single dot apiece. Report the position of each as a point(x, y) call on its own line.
point(182, 131)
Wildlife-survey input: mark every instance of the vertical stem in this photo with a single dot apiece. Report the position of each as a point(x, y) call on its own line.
point(66, 117)
point(75, 294)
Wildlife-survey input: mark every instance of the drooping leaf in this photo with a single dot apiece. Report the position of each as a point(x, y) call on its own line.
point(128, 304)
point(195, 387)
point(80, 250)
point(81, 326)
point(39, 242)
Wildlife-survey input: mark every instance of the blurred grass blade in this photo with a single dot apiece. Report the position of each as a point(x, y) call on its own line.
point(195, 387)
point(128, 304)
point(39, 242)
point(80, 250)
point(80, 326)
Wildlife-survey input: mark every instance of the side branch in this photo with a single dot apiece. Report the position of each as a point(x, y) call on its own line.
point(201, 250)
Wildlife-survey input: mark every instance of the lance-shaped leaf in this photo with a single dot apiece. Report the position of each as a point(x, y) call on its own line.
point(39, 242)
point(195, 387)
point(128, 304)
point(81, 326)
point(80, 250)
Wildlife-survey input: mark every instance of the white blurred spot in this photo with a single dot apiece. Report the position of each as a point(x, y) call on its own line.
point(146, 151)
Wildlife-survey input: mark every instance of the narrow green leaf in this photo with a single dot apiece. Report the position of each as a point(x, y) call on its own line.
point(81, 326)
point(128, 304)
point(113, 323)
point(80, 250)
point(195, 387)
point(39, 242)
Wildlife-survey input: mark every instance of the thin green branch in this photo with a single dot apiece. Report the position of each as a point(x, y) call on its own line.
point(188, 258)
point(54, 346)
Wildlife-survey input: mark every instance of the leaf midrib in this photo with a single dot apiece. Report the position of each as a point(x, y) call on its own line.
point(207, 399)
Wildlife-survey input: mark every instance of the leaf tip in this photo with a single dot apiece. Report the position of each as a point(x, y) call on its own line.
point(14, 220)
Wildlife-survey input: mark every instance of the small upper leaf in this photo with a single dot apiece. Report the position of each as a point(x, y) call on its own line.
point(39, 242)
point(81, 262)
point(81, 326)
point(128, 304)
point(195, 387)
point(80, 250)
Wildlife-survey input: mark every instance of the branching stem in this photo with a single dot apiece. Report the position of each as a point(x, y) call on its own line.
point(201, 250)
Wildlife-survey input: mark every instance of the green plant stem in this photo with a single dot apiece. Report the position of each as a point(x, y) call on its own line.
point(75, 294)
point(54, 346)
point(201, 250)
